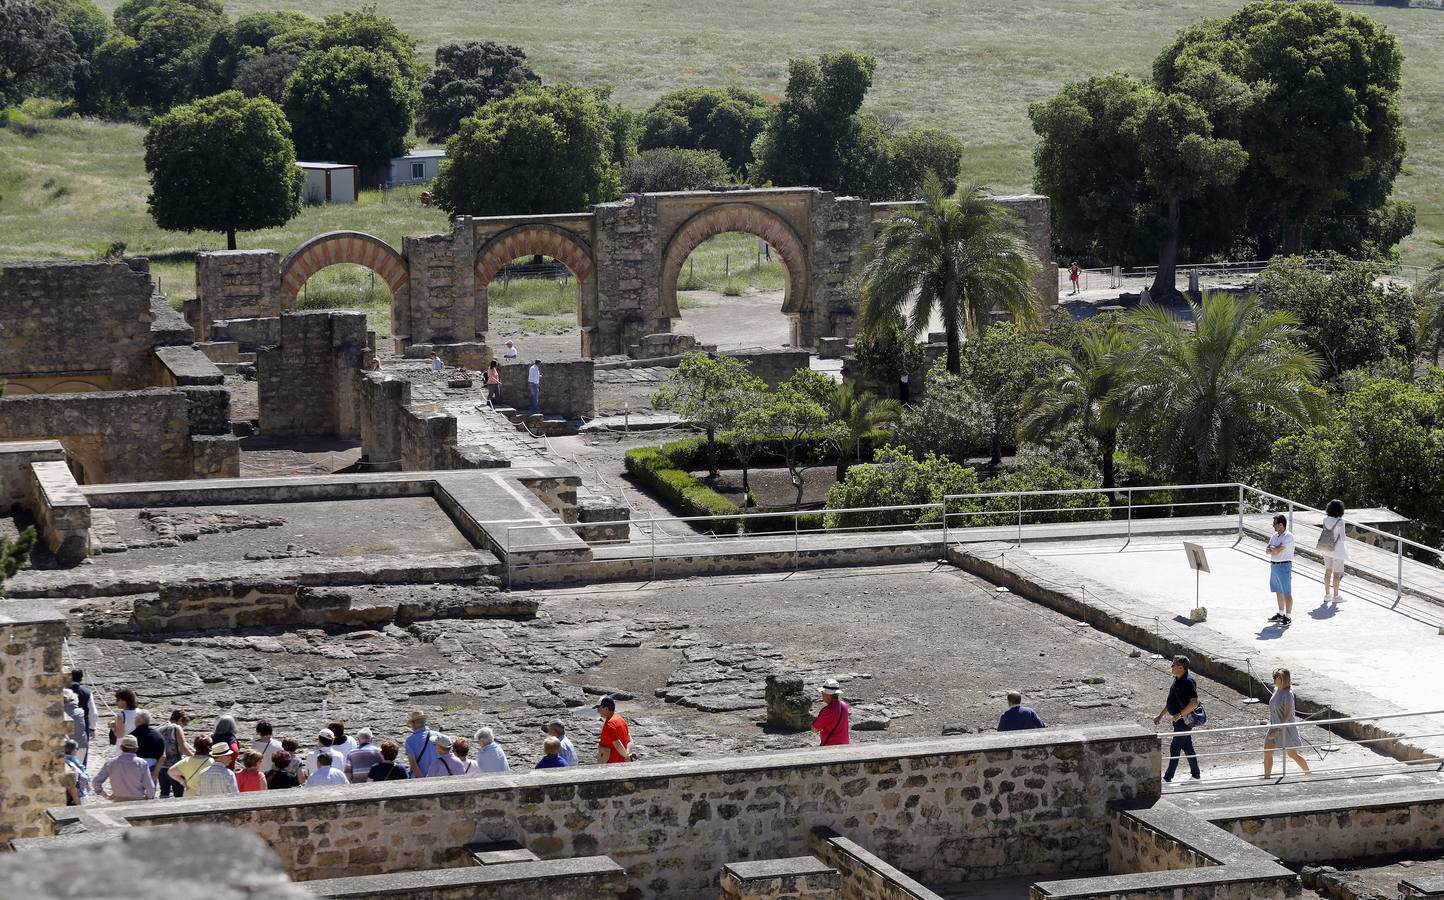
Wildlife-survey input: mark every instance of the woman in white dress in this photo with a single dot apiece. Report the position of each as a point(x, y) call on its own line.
point(1335, 552)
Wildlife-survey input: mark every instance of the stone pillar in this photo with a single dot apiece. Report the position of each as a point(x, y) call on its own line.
point(1036, 212)
point(628, 276)
point(841, 229)
point(472, 317)
point(304, 382)
point(32, 722)
point(238, 284)
point(789, 706)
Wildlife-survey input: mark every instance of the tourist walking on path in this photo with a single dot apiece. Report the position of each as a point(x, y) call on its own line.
point(1182, 702)
point(1281, 570)
point(1073, 273)
point(387, 769)
point(266, 745)
point(834, 721)
point(128, 775)
point(86, 702)
point(420, 751)
point(75, 779)
point(489, 755)
point(461, 749)
point(360, 760)
point(325, 743)
point(124, 722)
point(446, 762)
point(176, 749)
point(493, 384)
point(1018, 717)
point(341, 742)
point(150, 746)
point(75, 714)
point(225, 733)
point(250, 778)
point(510, 352)
point(551, 755)
point(557, 729)
point(326, 773)
point(615, 744)
point(217, 779)
point(436, 364)
point(1281, 713)
point(1334, 545)
point(533, 384)
point(185, 775)
point(281, 777)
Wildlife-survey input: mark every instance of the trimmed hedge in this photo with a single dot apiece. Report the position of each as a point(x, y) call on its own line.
point(677, 488)
point(690, 453)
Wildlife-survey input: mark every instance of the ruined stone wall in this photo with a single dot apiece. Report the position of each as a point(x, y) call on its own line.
point(1036, 213)
point(32, 719)
point(86, 319)
point(567, 387)
point(15, 478)
point(238, 284)
point(1346, 830)
point(956, 808)
point(841, 230)
point(441, 306)
point(61, 511)
point(864, 875)
point(112, 436)
point(305, 382)
point(772, 366)
point(628, 251)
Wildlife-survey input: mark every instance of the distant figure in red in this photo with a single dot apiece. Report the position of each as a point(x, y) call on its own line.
point(832, 723)
point(1073, 275)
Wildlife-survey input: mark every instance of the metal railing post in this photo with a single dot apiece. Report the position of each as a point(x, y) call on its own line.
point(654, 549)
point(945, 528)
point(1240, 514)
point(1020, 521)
point(796, 550)
point(1130, 514)
point(1399, 570)
point(508, 558)
point(1291, 515)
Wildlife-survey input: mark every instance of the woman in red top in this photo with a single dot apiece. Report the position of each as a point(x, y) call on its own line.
point(832, 722)
point(1073, 275)
point(250, 777)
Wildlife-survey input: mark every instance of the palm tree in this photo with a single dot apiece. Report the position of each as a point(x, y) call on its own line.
point(1203, 386)
point(858, 415)
point(960, 258)
point(1088, 389)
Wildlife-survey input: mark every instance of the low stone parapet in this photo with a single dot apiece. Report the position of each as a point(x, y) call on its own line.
point(581, 878)
point(185, 366)
point(60, 510)
point(16, 480)
point(863, 876)
point(795, 878)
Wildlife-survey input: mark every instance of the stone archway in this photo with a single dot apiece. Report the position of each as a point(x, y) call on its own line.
point(532, 240)
point(336, 247)
point(748, 218)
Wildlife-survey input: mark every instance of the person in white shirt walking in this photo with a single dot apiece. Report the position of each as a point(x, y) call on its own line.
point(217, 779)
point(325, 743)
point(489, 755)
point(533, 384)
point(265, 745)
point(557, 729)
point(326, 774)
point(1333, 544)
point(1281, 570)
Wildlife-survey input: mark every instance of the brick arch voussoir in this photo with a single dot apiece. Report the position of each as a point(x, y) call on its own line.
point(335, 247)
point(528, 240)
point(747, 219)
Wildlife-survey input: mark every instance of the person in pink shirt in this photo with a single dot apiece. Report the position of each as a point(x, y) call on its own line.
point(831, 723)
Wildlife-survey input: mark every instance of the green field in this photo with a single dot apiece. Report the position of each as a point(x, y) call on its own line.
point(72, 188)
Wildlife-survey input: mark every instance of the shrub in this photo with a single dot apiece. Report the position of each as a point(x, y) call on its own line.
point(678, 490)
point(675, 169)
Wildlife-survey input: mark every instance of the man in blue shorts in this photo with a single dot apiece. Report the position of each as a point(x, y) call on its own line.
point(1281, 570)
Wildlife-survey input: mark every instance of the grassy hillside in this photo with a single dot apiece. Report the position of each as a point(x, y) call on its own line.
point(71, 188)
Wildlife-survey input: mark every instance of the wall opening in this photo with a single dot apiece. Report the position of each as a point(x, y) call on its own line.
point(347, 285)
point(536, 293)
point(730, 292)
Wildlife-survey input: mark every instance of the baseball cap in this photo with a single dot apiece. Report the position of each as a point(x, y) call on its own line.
point(607, 701)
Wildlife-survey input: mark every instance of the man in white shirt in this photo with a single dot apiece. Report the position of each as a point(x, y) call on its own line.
point(489, 755)
point(265, 745)
point(325, 739)
point(1281, 570)
point(533, 384)
point(217, 779)
point(325, 774)
point(510, 350)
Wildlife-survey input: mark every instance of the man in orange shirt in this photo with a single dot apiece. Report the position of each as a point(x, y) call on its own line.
point(616, 742)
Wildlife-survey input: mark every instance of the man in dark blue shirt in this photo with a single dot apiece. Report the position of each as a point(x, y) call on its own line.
point(1017, 716)
point(1182, 701)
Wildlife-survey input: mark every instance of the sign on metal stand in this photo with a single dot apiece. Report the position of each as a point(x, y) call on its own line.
point(1198, 562)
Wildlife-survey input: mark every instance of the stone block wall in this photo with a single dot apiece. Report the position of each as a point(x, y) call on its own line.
point(956, 808)
point(628, 253)
point(307, 384)
point(32, 720)
point(238, 284)
point(249, 334)
point(184, 366)
point(441, 304)
point(772, 366)
point(1036, 212)
point(567, 387)
point(863, 875)
point(61, 511)
point(75, 322)
point(798, 878)
point(1347, 829)
point(587, 878)
point(841, 228)
point(15, 474)
point(111, 436)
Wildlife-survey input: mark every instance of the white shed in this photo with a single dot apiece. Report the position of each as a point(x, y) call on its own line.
point(328, 182)
point(416, 167)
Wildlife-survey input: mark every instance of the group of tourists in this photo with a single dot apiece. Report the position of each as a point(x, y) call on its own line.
point(164, 761)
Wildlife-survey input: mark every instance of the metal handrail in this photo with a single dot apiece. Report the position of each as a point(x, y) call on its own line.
point(1341, 721)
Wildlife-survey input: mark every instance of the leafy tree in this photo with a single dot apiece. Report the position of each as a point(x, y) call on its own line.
point(999, 368)
point(960, 259)
point(368, 30)
point(747, 437)
point(887, 351)
point(950, 419)
point(546, 149)
point(249, 37)
point(1202, 386)
point(724, 120)
point(912, 155)
point(673, 169)
point(895, 478)
point(1383, 445)
point(225, 163)
point(13, 553)
point(1079, 507)
point(710, 392)
point(155, 60)
point(1312, 93)
point(1429, 294)
point(89, 28)
point(817, 136)
point(1086, 386)
point(797, 416)
point(857, 415)
point(1347, 318)
point(466, 77)
point(266, 75)
point(37, 51)
point(1145, 154)
point(350, 105)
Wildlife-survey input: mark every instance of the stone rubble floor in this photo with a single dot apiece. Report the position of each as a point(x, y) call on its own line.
point(922, 651)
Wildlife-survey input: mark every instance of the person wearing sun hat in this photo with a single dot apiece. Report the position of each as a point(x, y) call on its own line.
point(217, 779)
point(128, 774)
point(832, 722)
